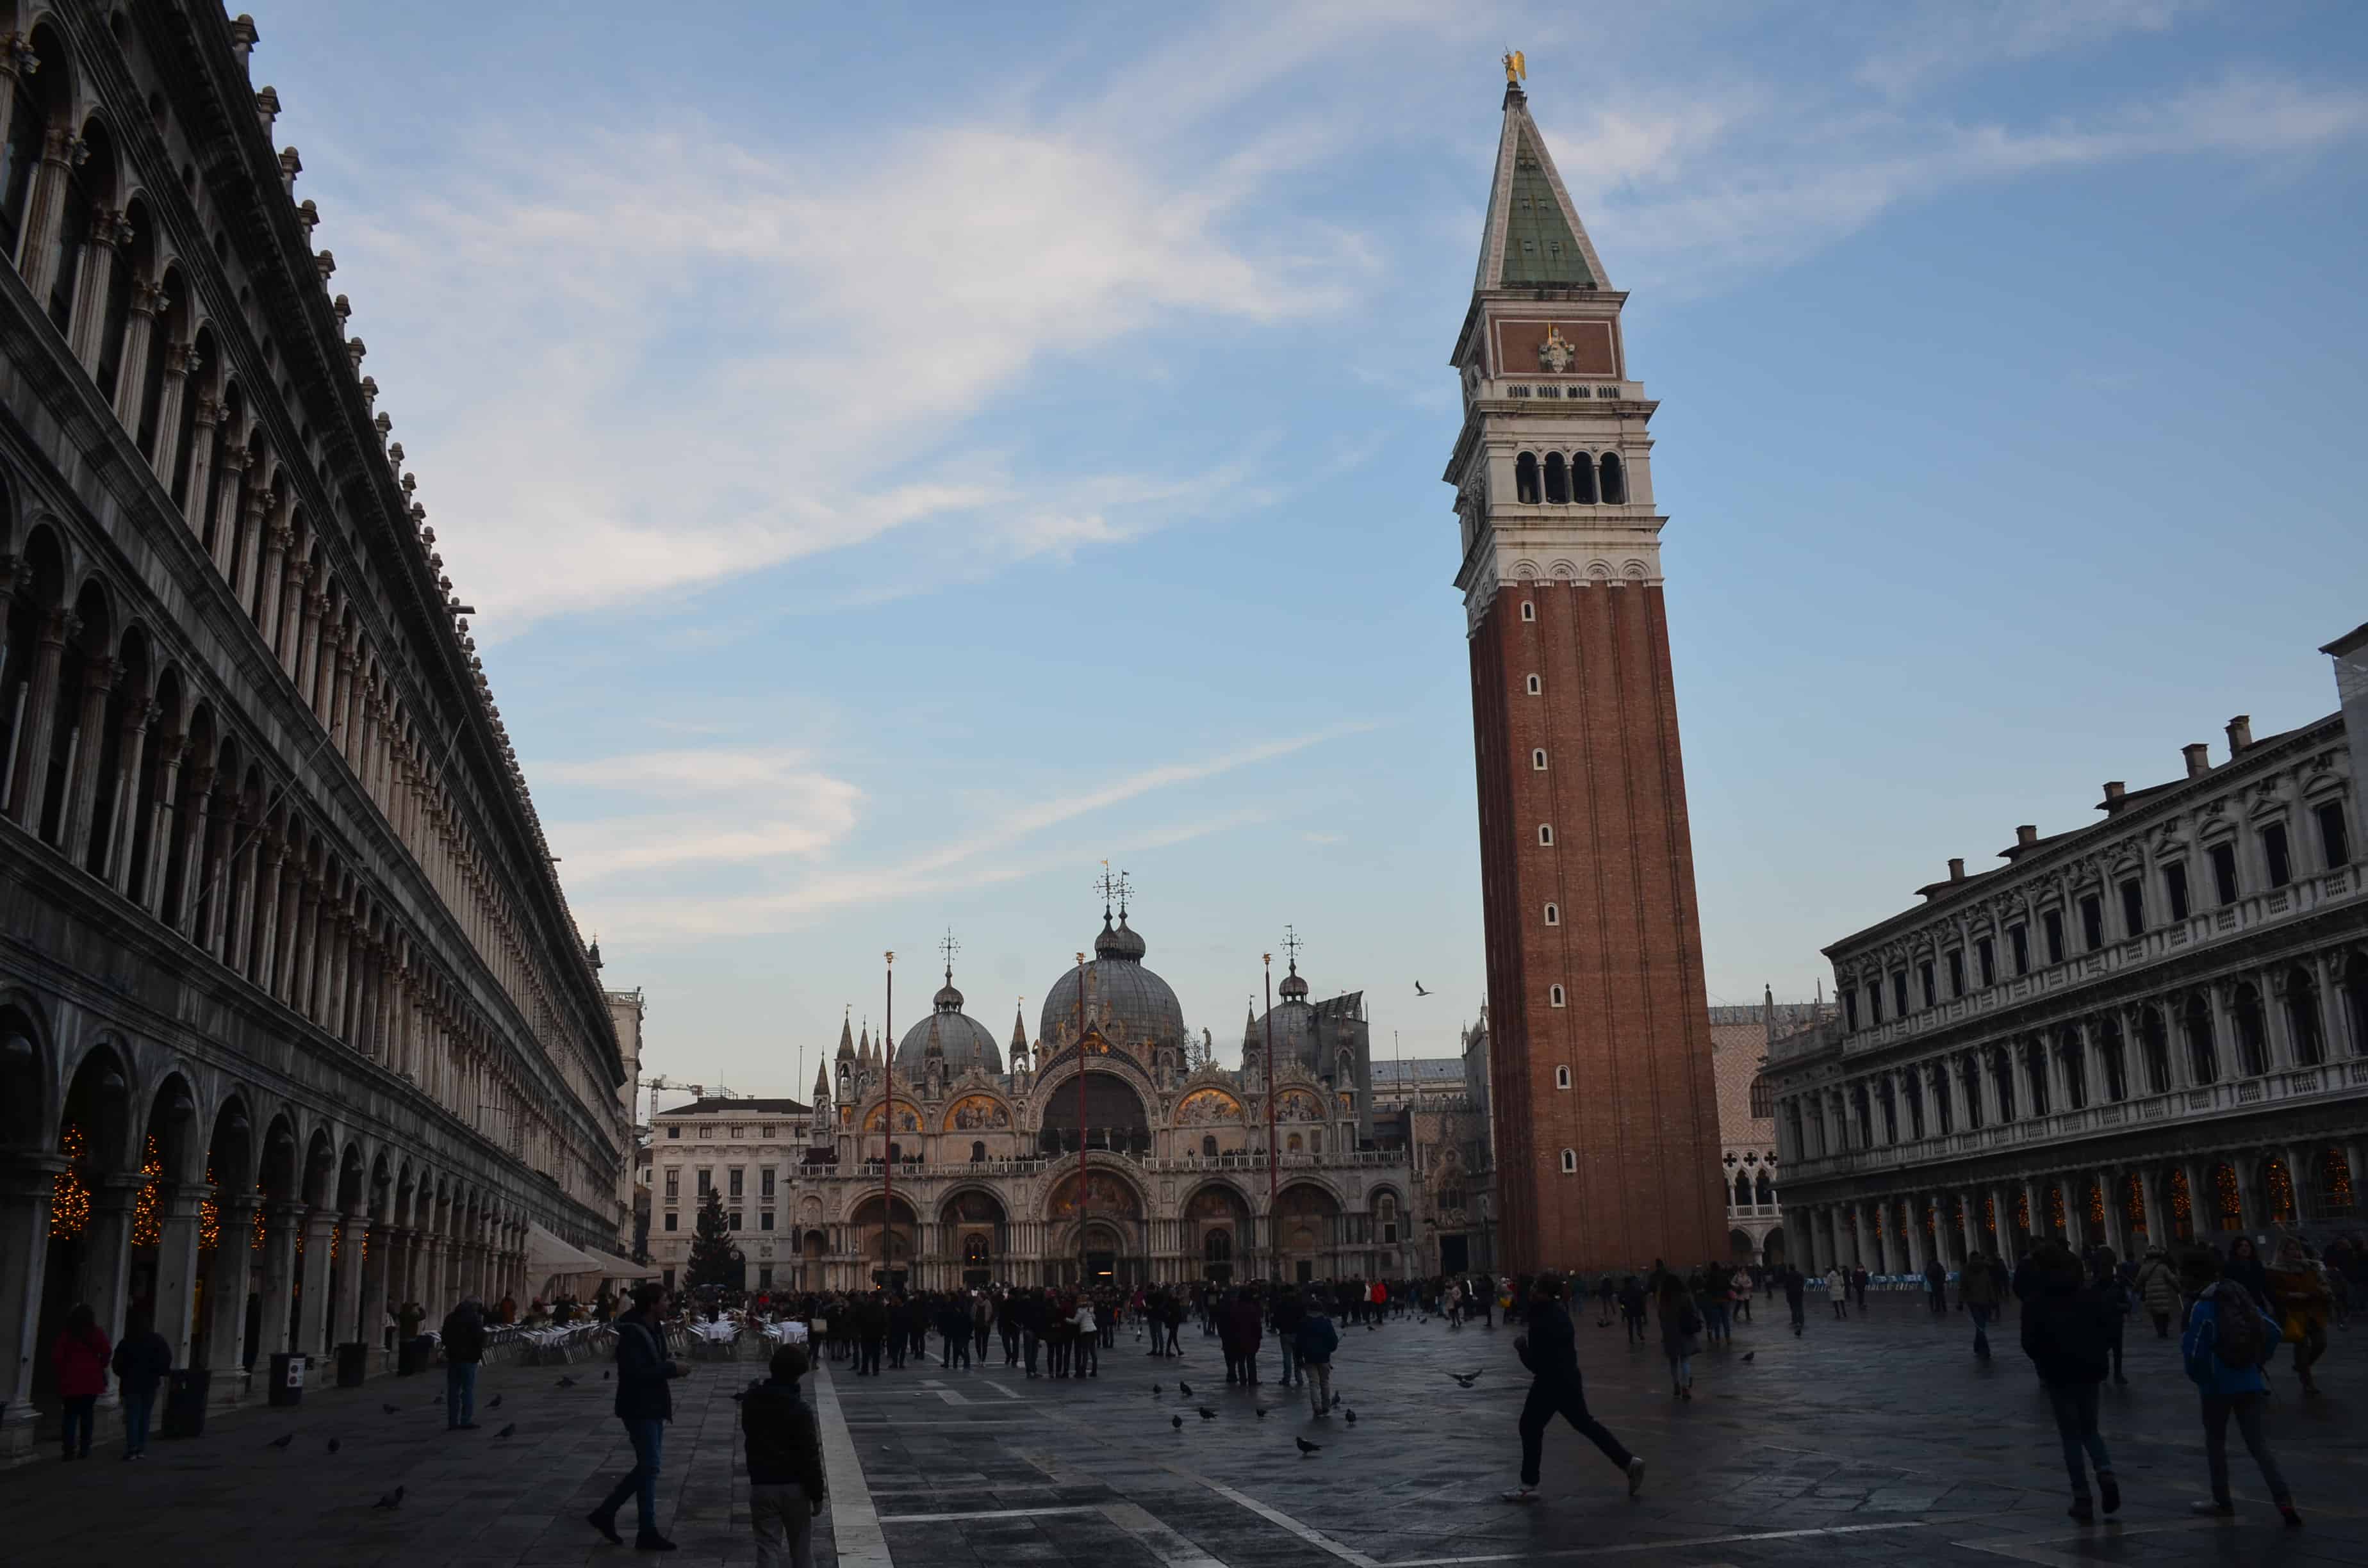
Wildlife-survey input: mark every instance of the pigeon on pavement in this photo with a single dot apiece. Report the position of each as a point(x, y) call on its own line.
point(281, 1441)
point(1184, 1388)
point(388, 1499)
point(333, 1444)
point(1749, 1354)
point(1155, 1390)
point(1207, 1414)
point(1352, 1418)
point(567, 1383)
point(1466, 1379)
point(506, 1430)
point(388, 1408)
point(495, 1403)
point(1307, 1448)
point(1176, 1422)
point(1261, 1412)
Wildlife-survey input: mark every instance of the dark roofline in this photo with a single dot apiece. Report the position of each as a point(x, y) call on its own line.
point(2350, 641)
point(715, 1106)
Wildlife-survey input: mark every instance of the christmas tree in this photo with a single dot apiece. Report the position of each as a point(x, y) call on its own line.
point(712, 1261)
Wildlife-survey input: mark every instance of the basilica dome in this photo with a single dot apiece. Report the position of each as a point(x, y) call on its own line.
point(1130, 1005)
point(1298, 1027)
point(963, 1038)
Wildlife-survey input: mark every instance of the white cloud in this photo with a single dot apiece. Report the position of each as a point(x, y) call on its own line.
point(1957, 36)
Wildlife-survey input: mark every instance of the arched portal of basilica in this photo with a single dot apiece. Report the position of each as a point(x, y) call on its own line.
point(1096, 1153)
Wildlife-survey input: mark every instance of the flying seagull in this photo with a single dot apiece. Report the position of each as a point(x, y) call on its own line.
point(1419, 989)
point(1466, 1379)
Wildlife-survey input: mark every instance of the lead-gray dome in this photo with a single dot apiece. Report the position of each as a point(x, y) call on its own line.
point(963, 1038)
point(1127, 1002)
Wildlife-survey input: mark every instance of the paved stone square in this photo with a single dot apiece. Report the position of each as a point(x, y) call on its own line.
point(1873, 1441)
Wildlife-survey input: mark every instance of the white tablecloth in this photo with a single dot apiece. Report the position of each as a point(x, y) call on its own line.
point(786, 1333)
point(722, 1333)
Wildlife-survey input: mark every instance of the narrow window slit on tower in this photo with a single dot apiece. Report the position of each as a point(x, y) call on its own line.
point(1535, 686)
point(1525, 479)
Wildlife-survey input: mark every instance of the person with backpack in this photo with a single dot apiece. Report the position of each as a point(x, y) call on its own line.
point(2157, 1289)
point(2226, 1343)
point(2066, 1327)
point(787, 1483)
point(1313, 1341)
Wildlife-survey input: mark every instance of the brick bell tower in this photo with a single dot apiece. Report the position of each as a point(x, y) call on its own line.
point(1606, 1109)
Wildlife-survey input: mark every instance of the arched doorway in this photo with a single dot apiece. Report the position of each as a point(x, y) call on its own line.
point(1106, 1248)
point(90, 1212)
point(1771, 1248)
point(974, 1224)
point(882, 1232)
point(1307, 1232)
point(1217, 1231)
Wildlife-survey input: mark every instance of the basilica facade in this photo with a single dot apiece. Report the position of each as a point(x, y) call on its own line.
point(1108, 1151)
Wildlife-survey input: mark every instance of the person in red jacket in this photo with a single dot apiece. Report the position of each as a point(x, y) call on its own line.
point(80, 1355)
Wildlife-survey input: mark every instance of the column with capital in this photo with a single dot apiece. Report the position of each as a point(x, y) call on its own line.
point(26, 1181)
point(205, 420)
point(131, 757)
point(308, 678)
point(288, 630)
point(271, 579)
point(176, 1265)
point(215, 888)
point(350, 1325)
point(86, 753)
point(106, 1249)
point(39, 251)
point(196, 830)
point(131, 367)
point(86, 326)
point(263, 965)
point(230, 1269)
point(377, 1260)
point(181, 361)
point(236, 458)
point(313, 1311)
point(29, 780)
point(246, 913)
point(254, 532)
point(282, 1219)
point(161, 809)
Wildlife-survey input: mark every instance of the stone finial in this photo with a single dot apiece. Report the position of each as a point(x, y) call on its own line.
point(395, 453)
point(370, 392)
point(410, 483)
point(427, 536)
point(291, 165)
point(266, 108)
point(355, 349)
point(418, 513)
point(344, 308)
point(308, 213)
point(243, 38)
point(325, 263)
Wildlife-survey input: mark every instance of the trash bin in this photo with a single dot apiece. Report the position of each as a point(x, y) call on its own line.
point(186, 1392)
point(353, 1364)
point(411, 1359)
point(287, 1378)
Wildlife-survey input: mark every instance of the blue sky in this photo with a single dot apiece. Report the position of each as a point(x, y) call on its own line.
point(904, 455)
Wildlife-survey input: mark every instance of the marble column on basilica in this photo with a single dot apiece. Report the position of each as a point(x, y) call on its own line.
point(280, 1222)
point(106, 1249)
point(377, 1263)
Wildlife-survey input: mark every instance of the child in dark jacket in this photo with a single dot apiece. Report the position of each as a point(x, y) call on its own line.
point(2068, 1330)
point(786, 1483)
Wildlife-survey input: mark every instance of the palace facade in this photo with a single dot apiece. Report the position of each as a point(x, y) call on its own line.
point(2153, 1028)
point(294, 1020)
point(1100, 1152)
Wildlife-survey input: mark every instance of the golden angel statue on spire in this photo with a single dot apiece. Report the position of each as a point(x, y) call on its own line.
point(1517, 68)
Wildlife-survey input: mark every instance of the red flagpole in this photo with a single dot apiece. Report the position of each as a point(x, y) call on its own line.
point(888, 1120)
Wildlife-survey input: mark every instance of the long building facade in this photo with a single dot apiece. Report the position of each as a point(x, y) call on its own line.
point(1108, 1151)
point(294, 1020)
point(2152, 1028)
point(1606, 1114)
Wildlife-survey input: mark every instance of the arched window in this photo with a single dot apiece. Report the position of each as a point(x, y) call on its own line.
point(1387, 1211)
point(1615, 481)
point(1570, 1162)
point(2202, 1050)
point(2302, 1020)
point(1582, 478)
point(1538, 758)
point(1295, 1144)
point(1561, 1078)
point(1554, 996)
point(19, 157)
point(1217, 1246)
point(977, 1153)
point(2252, 1032)
point(1536, 687)
point(1529, 609)
point(1557, 480)
point(1766, 1189)
point(1525, 479)
point(1742, 1189)
point(1209, 1147)
point(1553, 914)
point(1545, 834)
point(2153, 1044)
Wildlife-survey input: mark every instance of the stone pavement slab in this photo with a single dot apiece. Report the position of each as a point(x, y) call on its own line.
point(1877, 1440)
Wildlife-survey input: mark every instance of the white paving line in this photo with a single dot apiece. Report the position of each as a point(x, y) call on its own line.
point(854, 1521)
point(1174, 1549)
point(2033, 1549)
point(1273, 1516)
point(990, 1513)
point(1668, 1545)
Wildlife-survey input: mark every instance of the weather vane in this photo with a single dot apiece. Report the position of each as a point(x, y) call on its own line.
point(1517, 68)
point(1114, 887)
point(949, 948)
point(1290, 946)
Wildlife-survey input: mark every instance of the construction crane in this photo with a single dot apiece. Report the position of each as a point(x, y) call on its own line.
point(700, 1091)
